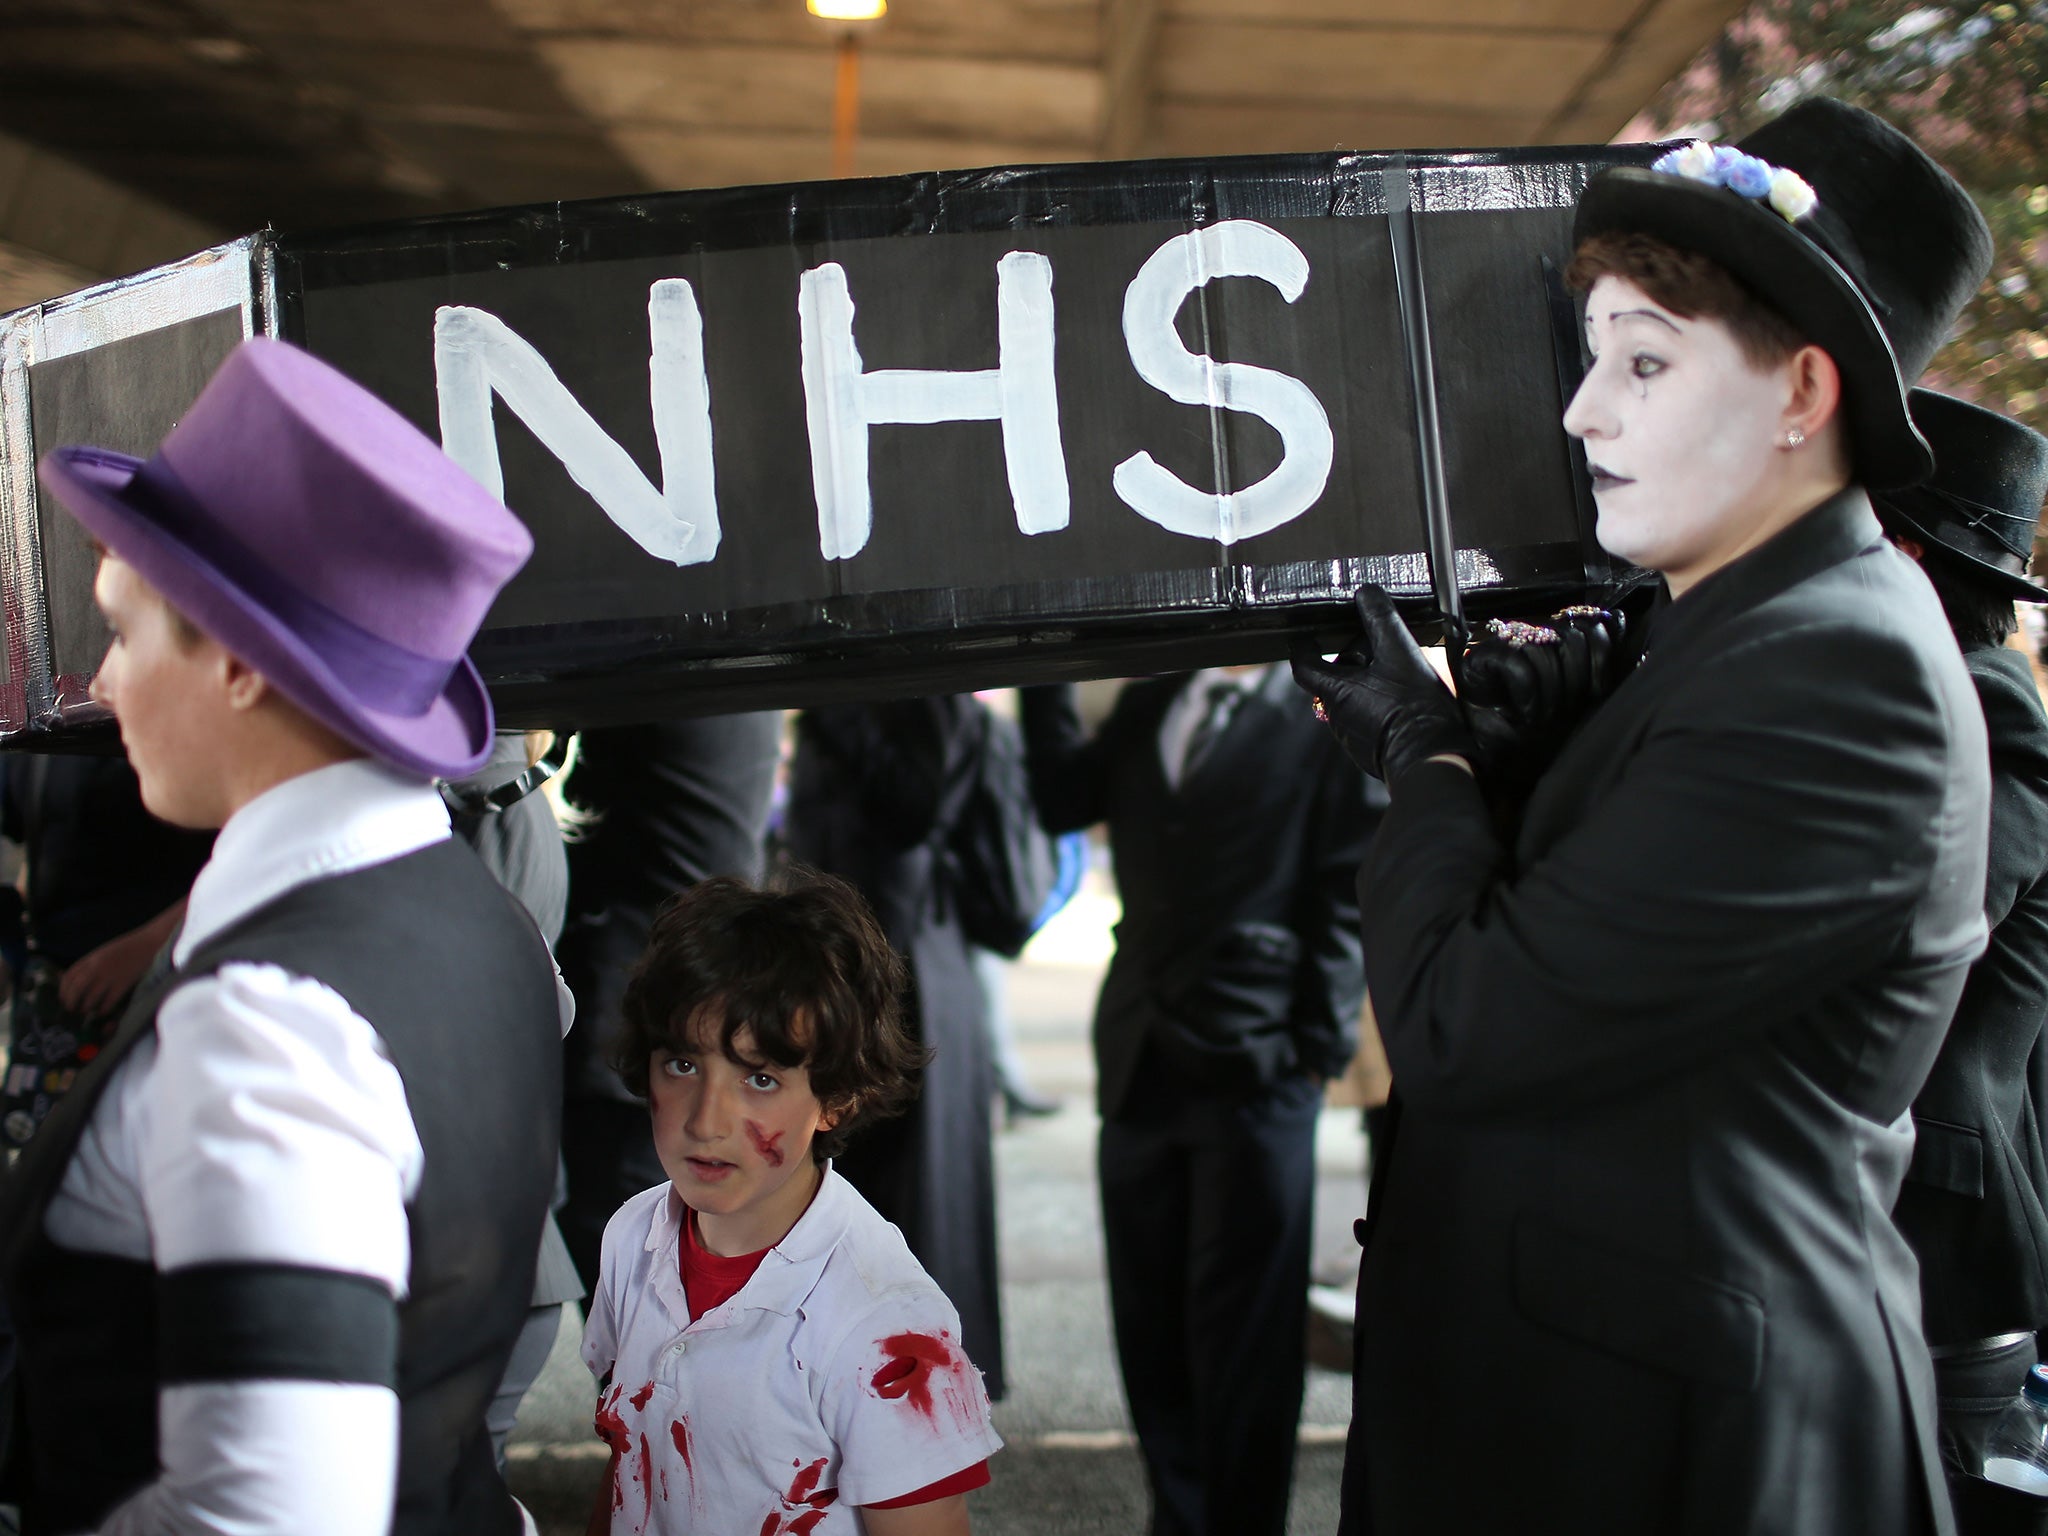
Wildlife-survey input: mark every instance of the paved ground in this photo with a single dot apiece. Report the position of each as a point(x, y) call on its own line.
point(1069, 1468)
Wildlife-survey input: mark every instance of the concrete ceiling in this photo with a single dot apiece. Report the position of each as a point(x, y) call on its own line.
point(139, 129)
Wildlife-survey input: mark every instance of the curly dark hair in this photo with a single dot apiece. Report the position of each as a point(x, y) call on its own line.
point(802, 966)
point(1691, 285)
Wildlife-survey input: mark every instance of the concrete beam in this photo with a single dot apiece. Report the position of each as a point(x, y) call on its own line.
point(63, 226)
point(1656, 43)
point(1130, 40)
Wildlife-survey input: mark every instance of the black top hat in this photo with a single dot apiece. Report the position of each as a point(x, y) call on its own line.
point(1984, 500)
point(1870, 249)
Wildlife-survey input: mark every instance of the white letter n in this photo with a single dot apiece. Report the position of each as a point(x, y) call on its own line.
point(476, 353)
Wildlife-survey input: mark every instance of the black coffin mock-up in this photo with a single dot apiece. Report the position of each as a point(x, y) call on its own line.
point(457, 983)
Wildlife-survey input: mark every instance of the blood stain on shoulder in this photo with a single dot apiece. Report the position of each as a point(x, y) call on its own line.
point(921, 1370)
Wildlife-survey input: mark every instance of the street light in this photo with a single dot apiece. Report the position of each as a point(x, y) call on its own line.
point(847, 18)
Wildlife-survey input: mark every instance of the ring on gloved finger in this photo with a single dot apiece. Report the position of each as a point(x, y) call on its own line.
point(1518, 634)
point(1316, 703)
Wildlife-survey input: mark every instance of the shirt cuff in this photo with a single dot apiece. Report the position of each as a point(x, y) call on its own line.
point(966, 1480)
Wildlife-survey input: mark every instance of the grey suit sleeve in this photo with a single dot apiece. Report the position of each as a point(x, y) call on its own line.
point(1770, 839)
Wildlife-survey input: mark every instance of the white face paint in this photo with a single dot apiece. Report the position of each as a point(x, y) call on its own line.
point(1681, 435)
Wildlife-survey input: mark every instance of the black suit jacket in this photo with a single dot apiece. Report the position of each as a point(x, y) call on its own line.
point(1655, 1064)
point(1238, 953)
point(1975, 1202)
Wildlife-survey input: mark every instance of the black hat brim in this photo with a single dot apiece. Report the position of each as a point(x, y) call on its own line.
point(1794, 276)
point(1942, 546)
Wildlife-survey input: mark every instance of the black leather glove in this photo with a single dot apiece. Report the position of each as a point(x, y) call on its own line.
point(1385, 702)
point(1528, 687)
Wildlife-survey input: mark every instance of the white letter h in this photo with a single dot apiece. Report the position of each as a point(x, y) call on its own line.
point(841, 401)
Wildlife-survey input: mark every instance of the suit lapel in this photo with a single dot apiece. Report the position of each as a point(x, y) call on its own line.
point(1587, 767)
point(1682, 632)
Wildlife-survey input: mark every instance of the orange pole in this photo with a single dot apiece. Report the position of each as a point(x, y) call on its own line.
point(846, 105)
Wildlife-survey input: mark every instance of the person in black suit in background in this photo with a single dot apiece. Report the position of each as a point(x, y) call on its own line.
point(1975, 1201)
point(1236, 828)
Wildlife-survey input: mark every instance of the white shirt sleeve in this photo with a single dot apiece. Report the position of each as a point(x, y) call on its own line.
point(269, 1456)
point(902, 1401)
point(278, 1132)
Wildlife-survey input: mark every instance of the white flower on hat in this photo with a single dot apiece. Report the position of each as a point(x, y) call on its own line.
point(1791, 195)
point(1694, 161)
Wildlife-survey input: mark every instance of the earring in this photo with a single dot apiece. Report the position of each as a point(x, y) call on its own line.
point(1794, 437)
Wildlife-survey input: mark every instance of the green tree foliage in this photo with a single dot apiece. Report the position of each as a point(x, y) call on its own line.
point(1970, 83)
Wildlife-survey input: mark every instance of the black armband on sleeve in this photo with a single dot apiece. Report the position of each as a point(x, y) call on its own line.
point(275, 1322)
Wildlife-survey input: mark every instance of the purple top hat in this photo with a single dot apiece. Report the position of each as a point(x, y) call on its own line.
point(321, 537)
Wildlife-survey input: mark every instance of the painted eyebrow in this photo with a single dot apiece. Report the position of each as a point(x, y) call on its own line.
point(1643, 314)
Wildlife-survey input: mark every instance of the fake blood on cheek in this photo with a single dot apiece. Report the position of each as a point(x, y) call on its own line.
point(769, 1147)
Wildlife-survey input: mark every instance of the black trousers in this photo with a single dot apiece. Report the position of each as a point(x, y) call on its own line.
point(1206, 1204)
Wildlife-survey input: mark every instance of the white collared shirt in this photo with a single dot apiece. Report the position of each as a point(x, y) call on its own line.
point(264, 1122)
point(1191, 706)
point(774, 1393)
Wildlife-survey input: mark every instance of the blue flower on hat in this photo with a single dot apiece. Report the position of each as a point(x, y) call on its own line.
point(1784, 191)
point(1749, 177)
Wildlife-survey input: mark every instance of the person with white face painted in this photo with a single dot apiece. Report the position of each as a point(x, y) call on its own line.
point(1653, 1060)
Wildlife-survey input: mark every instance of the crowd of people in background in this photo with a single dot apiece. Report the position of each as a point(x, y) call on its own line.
point(1706, 927)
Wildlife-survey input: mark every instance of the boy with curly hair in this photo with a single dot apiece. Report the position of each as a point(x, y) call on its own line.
point(770, 1357)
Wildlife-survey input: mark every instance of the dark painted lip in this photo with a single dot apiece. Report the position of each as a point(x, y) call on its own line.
point(1606, 479)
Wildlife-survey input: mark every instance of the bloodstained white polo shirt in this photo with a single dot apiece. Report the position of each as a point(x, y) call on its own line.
point(782, 1410)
